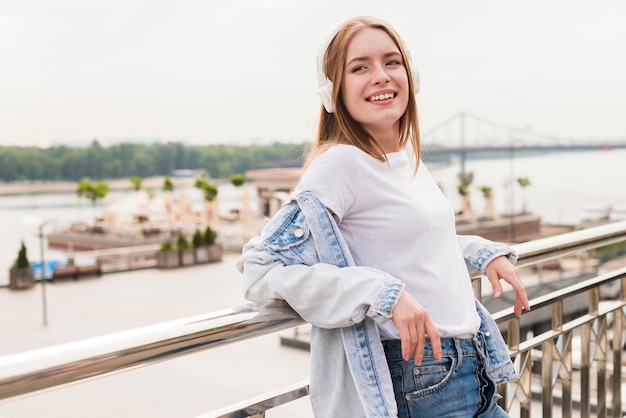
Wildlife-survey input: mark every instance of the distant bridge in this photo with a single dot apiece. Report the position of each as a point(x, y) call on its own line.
point(524, 147)
point(465, 134)
point(471, 133)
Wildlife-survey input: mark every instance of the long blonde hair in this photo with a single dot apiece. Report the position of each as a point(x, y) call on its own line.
point(339, 127)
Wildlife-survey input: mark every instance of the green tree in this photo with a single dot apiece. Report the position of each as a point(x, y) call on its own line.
point(93, 191)
point(82, 187)
point(209, 236)
point(237, 179)
point(168, 246)
point(22, 258)
point(208, 189)
point(182, 242)
point(136, 182)
point(123, 160)
point(198, 239)
point(168, 184)
point(95, 158)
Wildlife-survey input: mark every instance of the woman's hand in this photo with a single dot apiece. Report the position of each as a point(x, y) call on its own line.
point(414, 324)
point(502, 268)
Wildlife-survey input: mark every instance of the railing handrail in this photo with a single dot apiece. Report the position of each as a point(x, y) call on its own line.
point(44, 368)
point(560, 294)
point(36, 370)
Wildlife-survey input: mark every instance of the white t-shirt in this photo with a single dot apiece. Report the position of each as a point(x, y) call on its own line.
point(401, 224)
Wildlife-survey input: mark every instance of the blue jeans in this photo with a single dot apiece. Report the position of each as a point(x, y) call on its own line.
point(455, 386)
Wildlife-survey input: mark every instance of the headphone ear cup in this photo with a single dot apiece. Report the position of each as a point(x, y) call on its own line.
point(325, 91)
point(416, 79)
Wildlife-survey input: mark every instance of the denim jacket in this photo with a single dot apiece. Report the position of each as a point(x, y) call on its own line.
point(302, 258)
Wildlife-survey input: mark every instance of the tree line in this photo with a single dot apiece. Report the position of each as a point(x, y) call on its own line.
point(96, 162)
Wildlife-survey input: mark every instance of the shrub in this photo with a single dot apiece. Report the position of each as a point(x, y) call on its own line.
point(168, 246)
point(22, 258)
point(182, 242)
point(209, 236)
point(198, 239)
point(237, 179)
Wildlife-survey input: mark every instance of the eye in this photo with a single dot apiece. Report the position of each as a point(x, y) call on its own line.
point(358, 68)
point(393, 63)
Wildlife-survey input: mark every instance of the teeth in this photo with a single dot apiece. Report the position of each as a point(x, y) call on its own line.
point(385, 96)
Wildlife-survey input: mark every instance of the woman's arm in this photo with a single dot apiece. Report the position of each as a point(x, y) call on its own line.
point(497, 262)
point(478, 252)
point(322, 294)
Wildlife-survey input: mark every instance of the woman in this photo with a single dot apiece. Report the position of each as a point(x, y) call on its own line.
point(366, 251)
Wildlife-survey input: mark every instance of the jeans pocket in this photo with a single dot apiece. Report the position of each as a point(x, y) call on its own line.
point(429, 377)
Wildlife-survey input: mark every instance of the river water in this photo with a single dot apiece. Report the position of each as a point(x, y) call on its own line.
point(562, 186)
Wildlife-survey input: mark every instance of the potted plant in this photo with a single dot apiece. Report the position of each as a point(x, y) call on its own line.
point(167, 257)
point(200, 249)
point(21, 275)
point(465, 180)
point(210, 192)
point(524, 182)
point(185, 251)
point(215, 250)
point(489, 212)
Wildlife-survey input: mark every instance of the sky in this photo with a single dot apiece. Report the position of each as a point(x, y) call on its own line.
point(242, 72)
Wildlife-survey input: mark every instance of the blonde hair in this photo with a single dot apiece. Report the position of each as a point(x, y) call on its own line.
point(339, 127)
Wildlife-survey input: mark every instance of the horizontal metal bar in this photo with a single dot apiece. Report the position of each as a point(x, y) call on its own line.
point(556, 246)
point(262, 403)
point(566, 292)
point(45, 368)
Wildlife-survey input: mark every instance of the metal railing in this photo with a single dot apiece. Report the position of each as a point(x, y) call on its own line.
point(590, 381)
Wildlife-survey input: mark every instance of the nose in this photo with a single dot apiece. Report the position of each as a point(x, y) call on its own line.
point(380, 75)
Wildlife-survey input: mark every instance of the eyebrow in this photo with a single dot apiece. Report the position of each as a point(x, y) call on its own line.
point(387, 55)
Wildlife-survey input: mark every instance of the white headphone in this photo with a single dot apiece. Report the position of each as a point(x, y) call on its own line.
point(325, 85)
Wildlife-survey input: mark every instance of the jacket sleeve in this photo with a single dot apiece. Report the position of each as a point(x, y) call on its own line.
point(478, 252)
point(323, 294)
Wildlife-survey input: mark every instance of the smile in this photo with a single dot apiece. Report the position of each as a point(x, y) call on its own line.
point(382, 97)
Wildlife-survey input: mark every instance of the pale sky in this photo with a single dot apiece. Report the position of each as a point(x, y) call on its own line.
point(243, 71)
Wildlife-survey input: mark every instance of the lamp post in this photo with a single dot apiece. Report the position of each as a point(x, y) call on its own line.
point(514, 138)
point(43, 273)
point(512, 218)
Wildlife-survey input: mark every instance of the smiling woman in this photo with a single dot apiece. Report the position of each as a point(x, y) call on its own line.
point(366, 251)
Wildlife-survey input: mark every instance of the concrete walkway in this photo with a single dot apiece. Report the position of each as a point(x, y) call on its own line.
point(186, 387)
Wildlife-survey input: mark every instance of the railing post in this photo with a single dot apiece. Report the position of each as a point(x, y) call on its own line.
point(566, 381)
point(585, 375)
point(564, 351)
point(546, 378)
point(600, 351)
point(618, 324)
point(513, 340)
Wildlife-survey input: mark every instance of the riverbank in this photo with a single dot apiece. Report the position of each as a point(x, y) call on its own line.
point(39, 186)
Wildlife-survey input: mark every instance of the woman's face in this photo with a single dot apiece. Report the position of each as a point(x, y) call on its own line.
point(375, 86)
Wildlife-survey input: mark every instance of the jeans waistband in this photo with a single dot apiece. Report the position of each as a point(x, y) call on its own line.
point(460, 347)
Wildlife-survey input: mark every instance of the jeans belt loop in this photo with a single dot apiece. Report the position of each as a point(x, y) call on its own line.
point(481, 342)
point(459, 353)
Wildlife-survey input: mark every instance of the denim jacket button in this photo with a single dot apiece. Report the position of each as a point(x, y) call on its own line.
point(298, 233)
